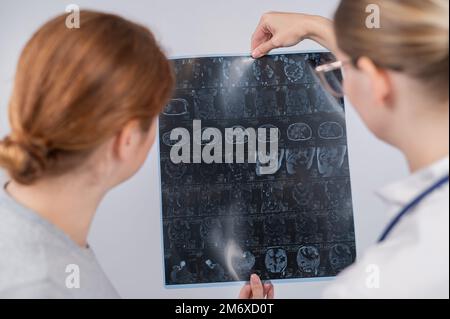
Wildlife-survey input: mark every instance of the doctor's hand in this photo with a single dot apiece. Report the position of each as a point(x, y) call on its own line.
point(256, 289)
point(277, 29)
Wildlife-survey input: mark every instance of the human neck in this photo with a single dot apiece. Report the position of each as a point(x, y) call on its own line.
point(68, 203)
point(426, 139)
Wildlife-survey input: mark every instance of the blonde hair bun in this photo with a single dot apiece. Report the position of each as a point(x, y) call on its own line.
point(413, 37)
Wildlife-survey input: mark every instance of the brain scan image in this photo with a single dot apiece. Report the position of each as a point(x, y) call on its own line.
point(272, 200)
point(211, 232)
point(299, 132)
point(339, 226)
point(263, 73)
point(234, 102)
point(243, 263)
point(176, 107)
point(319, 99)
point(205, 103)
point(283, 213)
point(180, 232)
point(330, 159)
point(212, 172)
point(244, 231)
point(237, 172)
point(303, 194)
point(182, 68)
point(266, 103)
point(330, 131)
point(203, 75)
point(210, 202)
point(213, 271)
point(228, 71)
point(337, 194)
point(234, 74)
point(175, 171)
point(181, 275)
point(294, 70)
point(340, 256)
point(297, 102)
point(200, 71)
point(276, 260)
point(307, 227)
point(176, 203)
point(275, 230)
point(239, 201)
point(299, 159)
point(308, 260)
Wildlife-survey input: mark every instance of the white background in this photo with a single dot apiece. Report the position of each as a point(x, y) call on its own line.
point(126, 233)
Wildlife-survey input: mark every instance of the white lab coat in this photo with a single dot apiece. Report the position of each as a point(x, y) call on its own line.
point(413, 262)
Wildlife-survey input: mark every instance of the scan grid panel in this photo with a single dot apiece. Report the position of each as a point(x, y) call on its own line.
point(223, 222)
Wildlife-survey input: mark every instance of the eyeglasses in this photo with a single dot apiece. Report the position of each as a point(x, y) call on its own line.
point(331, 76)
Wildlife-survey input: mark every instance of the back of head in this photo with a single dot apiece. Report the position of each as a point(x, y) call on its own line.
point(413, 37)
point(75, 88)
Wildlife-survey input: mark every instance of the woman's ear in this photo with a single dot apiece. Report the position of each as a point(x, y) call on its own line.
point(379, 80)
point(127, 139)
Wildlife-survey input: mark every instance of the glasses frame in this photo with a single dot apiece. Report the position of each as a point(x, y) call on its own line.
point(323, 69)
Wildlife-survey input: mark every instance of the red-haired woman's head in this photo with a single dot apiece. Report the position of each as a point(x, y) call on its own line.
point(80, 93)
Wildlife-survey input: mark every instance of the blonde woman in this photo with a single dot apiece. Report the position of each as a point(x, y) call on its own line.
point(397, 78)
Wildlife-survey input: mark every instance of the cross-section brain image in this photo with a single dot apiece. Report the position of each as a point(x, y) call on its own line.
point(243, 263)
point(283, 213)
point(293, 69)
point(176, 107)
point(205, 103)
point(331, 159)
point(297, 101)
point(299, 159)
point(308, 259)
point(266, 102)
point(330, 130)
point(213, 271)
point(175, 171)
point(276, 260)
point(340, 256)
point(299, 132)
point(181, 275)
point(233, 101)
point(211, 232)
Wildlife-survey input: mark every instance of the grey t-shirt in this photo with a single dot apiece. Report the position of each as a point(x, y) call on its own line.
point(37, 260)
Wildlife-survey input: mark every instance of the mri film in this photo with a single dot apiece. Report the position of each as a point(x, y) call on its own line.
point(226, 219)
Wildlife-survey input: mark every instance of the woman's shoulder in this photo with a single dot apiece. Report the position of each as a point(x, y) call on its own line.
point(40, 261)
point(24, 263)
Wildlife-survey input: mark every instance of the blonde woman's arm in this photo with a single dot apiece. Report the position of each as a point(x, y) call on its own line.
point(278, 29)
